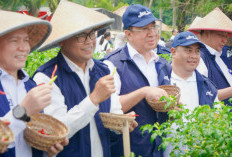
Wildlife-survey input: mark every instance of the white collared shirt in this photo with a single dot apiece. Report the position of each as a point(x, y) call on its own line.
point(188, 90)
point(80, 115)
point(15, 94)
point(203, 69)
point(148, 69)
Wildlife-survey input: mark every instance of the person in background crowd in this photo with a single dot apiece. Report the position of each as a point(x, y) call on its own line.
point(84, 86)
point(174, 33)
point(21, 95)
point(139, 71)
point(160, 48)
point(104, 42)
point(161, 42)
point(100, 33)
point(214, 35)
point(120, 40)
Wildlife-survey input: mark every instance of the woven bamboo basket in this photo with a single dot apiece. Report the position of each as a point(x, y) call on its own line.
point(56, 131)
point(5, 133)
point(159, 106)
point(115, 121)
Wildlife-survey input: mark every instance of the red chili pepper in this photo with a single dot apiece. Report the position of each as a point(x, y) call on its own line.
point(2, 93)
point(6, 138)
point(40, 84)
point(54, 71)
point(42, 132)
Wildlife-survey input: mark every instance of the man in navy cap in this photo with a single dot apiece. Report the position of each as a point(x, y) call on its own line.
point(195, 88)
point(139, 71)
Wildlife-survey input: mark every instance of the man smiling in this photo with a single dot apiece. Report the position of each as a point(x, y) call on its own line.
point(84, 86)
point(139, 71)
point(213, 33)
point(195, 88)
point(19, 35)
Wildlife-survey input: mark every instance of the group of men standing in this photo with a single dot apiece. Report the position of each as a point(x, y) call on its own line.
point(85, 86)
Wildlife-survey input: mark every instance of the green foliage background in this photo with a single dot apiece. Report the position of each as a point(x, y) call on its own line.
point(36, 59)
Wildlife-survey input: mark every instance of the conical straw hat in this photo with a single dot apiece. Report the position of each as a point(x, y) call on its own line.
point(215, 20)
point(195, 22)
point(38, 30)
point(71, 19)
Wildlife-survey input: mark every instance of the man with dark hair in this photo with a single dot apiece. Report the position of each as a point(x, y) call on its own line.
point(84, 86)
point(214, 33)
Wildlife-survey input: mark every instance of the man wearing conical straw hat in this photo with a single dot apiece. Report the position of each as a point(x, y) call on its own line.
point(20, 34)
point(214, 29)
point(84, 86)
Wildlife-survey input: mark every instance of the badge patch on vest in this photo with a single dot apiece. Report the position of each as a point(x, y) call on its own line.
point(209, 93)
point(229, 53)
point(166, 78)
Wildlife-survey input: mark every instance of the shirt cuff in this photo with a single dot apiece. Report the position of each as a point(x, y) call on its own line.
point(88, 107)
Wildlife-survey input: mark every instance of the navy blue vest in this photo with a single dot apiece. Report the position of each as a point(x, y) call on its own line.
point(163, 50)
point(227, 56)
point(132, 79)
point(5, 108)
point(207, 91)
point(214, 72)
point(74, 92)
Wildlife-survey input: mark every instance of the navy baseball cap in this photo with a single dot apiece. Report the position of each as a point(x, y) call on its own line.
point(138, 16)
point(186, 39)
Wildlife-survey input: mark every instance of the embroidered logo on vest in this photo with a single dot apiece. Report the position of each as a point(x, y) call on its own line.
point(209, 93)
point(229, 53)
point(166, 78)
point(141, 14)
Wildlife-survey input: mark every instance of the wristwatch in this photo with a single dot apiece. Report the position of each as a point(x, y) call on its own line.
point(19, 112)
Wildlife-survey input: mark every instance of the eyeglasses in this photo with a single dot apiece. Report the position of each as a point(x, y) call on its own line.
point(83, 37)
point(145, 29)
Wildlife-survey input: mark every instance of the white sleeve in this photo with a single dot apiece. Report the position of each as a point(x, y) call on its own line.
point(116, 106)
point(217, 100)
point(117, 81)
point(202, 68)
point(77, 117)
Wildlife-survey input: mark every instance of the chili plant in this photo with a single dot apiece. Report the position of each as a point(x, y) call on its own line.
point(204, 131)
point(36, 59)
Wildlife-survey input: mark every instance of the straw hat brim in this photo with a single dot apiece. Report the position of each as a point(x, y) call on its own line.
point(216, 20)
point(55, 42)
point(70, 19)
point(38, 30)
